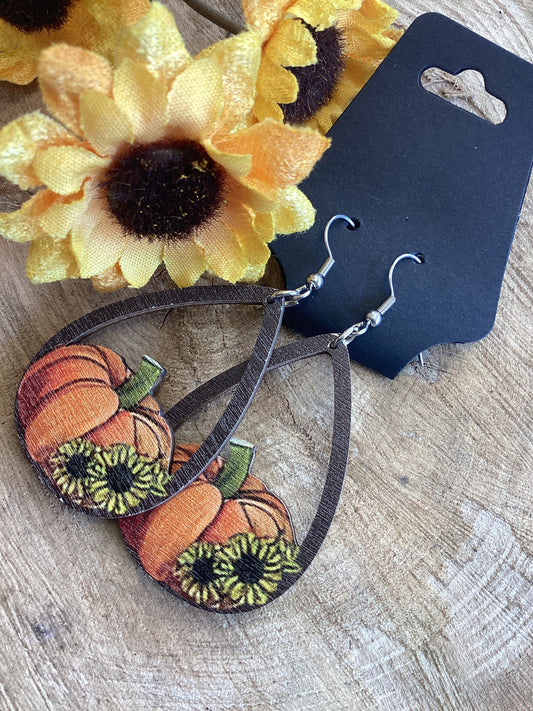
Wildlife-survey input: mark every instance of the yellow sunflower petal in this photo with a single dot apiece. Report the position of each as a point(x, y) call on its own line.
point(255, 251)
point(59, 218)
point(103, 124)
point(276, 83)
point(64, 73)
point(265, 109)
point(318, 13)
point(156, 42)
point(64, 168)
point(223, 253)
point(21, 140)
point(374, 17)
point(292, 45)
point(264, 226)
point(139, 260)
point(239, 58)
point(185, 262)
point(195, 100)
point(142, 98)
point(109, 280)
point(263, 15)
point(238, 166)
point(98, 242)
point(49, 260)
point(22, 225)
point(18, 58)
point(112, 16)
point(297, 151)
point(293, 212)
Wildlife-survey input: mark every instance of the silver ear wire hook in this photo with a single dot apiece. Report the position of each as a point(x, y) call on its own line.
point(314, 281)
point(374, 317)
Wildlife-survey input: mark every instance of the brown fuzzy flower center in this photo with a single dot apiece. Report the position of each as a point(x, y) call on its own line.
point(35, 15)
point(317, 82)
point(163, 190)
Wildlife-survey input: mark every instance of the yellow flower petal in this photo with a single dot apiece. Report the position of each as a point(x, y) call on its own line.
point(64, 168)
point(195, 100)
point(22, 225)
point(93, 24)
point(318, 13)
point(263, 15)
point(98, 242)
point(185, 262)
point(297, 151)
point(140, 259)
point(374, 17)
point(256, 253)
point(143, 99)
point(264, 226)
point(276, 83)
point(110, 280)
point(223, 253)
point(49, 260)
point(293, 212)
point(265, 109)
point(238, 58)
point(156, 42)
point(103, 124)
point(292, 45)
point(238, 166)
point(21, 140)
point(59, 218)
point(64, 73)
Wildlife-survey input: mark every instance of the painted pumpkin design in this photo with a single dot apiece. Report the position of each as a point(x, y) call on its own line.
point(224, 543)
point(93, 431)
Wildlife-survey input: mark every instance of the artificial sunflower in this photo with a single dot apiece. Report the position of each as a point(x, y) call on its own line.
point(154, 161)
point(317, 55)
point(26, 28)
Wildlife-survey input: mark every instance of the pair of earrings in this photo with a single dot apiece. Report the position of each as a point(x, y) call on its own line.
point(195, 517)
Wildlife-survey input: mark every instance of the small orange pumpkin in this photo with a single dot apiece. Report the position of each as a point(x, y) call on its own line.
point(211, 510)
point(86, 395)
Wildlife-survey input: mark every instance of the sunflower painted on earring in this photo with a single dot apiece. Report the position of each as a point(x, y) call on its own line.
point(196, 573)
point(71, 468)
point(317, 55)
point(250, 569)
point(154, 161)
point(120, 478)
point(26, 28)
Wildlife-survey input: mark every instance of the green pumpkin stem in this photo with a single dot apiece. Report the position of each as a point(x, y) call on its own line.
point(236, 468)
point(141, 383)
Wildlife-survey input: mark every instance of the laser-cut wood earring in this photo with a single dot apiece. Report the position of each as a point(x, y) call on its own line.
point(226, 543)
point(92, 428)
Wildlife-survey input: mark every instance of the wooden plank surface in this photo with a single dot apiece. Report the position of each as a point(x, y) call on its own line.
point(422, 596)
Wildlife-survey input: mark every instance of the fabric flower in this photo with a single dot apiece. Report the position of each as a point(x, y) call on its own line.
point(317, 55)
point(26, 28)
point(154, 162)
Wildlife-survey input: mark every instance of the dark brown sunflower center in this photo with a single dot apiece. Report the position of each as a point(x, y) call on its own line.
point(77, 466)
point(203, 571)
point(119, 478)
point(249, 569)
point(163, 190)
point(35, 15)
point(317, 82)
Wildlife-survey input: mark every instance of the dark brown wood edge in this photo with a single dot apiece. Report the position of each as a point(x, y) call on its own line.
point(340, 441)
point(250, 380)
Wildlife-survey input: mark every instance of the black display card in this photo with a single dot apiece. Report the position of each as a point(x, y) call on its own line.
point(421, 175)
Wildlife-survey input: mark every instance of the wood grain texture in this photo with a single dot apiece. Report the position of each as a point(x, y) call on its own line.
point(422, 595)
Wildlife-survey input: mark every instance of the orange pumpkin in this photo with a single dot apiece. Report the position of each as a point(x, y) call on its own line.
point(86, 395)
point(205, 511)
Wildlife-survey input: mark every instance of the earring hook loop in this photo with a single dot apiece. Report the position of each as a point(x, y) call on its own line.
point(374, 317)
point(316, 280)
